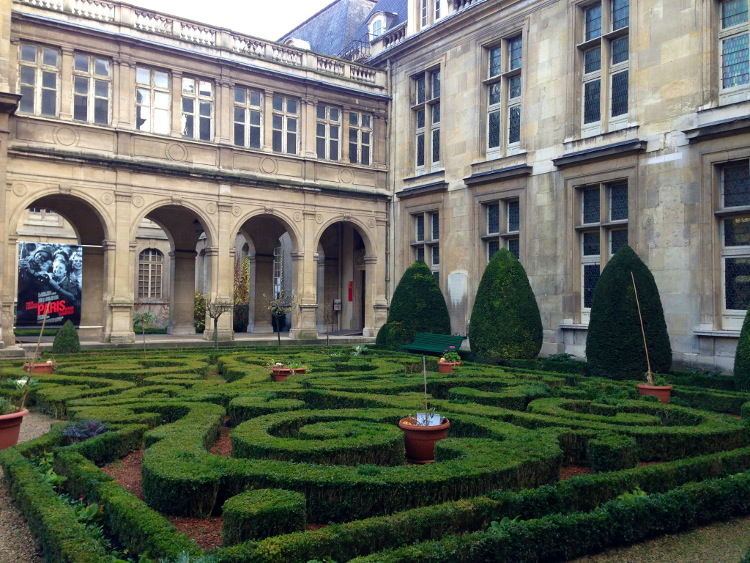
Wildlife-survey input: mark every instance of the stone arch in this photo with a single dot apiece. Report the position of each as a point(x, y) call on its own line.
point(93, 228)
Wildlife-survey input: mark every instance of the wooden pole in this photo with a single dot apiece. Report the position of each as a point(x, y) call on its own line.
point(649, 375)
point(424, 374)
point(33, 361)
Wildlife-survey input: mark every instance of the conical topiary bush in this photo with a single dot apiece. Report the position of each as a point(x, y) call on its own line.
point(66, 340)
point(742, 357)
point(417, 305)
point(505, 321)
point(614, 343)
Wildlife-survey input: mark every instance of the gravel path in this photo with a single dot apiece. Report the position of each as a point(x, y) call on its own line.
point(17, 545)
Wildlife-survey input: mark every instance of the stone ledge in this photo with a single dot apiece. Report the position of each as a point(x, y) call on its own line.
point(717, 333)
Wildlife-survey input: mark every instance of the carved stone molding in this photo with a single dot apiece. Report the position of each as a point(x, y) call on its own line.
point(65, 189)
point(20, 190)
point(211, 208)
point(138, 201)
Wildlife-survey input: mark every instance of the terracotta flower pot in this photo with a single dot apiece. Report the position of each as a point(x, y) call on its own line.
point(280, 374)
point(39, 367)
point(447, 367)
point(419, 441)
point(662, 392)
point(10, 426)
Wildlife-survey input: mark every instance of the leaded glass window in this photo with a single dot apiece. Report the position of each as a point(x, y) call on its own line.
point(620, 14)
point(620, 93)
point(736, 184)
point(591, 275)
point(735, 62)
point(504, 84)
point(591, 206)
point(618, 202)
point(618, 239)
point(593, 23)
point(735, 196)
point(591, 103)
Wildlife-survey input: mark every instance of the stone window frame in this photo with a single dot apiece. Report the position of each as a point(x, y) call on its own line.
point(92, 78)
point(154, 89)
point(360, 137)
point(499, 192)
point(247, 115)
point(281, 119)
point(427, 247)
point(506, 104)
point(328, 131)
point(603, 177)
point(150, 274)
point(714, 155)
point(608, 70)
point(41, 72)
point(425, 101)
point(199, 100)
point(740, 92)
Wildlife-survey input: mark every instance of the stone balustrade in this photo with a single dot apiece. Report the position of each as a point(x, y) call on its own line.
point(148, 21)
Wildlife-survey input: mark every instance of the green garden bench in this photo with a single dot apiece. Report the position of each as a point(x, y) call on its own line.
point(433, 343)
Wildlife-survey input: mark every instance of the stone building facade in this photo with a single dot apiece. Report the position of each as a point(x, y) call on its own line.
point(115, 115)
point(563, 129)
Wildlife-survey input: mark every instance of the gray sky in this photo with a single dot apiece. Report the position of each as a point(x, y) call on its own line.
point(267, 19)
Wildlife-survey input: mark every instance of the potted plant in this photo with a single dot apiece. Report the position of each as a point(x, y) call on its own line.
point(281, 371)
point(423, 430)
point(11, 416)
point(658, 388)
point(40, 367)
point(449, 360)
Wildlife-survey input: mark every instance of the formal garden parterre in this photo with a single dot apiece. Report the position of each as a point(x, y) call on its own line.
point(317, 468)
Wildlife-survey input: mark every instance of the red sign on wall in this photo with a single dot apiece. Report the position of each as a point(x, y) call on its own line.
point(351, 291)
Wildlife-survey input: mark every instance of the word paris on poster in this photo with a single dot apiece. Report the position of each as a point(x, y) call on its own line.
point(49, 277)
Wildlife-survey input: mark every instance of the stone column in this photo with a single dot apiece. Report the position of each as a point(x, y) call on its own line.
point(376, 283)
point(307, 128)
point(263, 286)
point(251, 298)
point(8, 105)
point(177, 103)
point(182, 292)
point(93, 285)
point(224, 113)
point(123, 93)
point(119, 275)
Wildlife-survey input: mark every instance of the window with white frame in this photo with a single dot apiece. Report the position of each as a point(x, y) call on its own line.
point(197, 109)
point(153, 101)
point(376, 29)
point(734, 39)
point(92, 89)
point(248, 118)
point(734, 226)
point(424, 12)
point(605, 55)
point(285, 121)
point(602, 231)
point(503, 90)
point(328, 132)
point(39, 80)
point(360, 138)
point(436, 10)
point(426, 239)
point(150, 262)
point(426, 111)
point(502, 226)
point(278, 271)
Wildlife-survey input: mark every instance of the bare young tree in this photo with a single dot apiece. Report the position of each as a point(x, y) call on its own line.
point(215, 309)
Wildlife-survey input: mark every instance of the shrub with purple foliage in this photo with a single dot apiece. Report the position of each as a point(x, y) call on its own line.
point(84, 429)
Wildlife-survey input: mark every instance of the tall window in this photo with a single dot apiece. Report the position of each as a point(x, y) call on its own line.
point(426, 239)
point(734, 217)
point(150, 263)
point(503, 85)
point(39, 80)
point(197, 109)
point(602, 229)
point(248, 118)
point(153, 101)
point(285, 120)
point(426, 111)
point(377, 29)
point(92, 87)
point(424, 12)
point(360, 138)
point(278, 271)
point(502, 227)
point(605, 55)
point(328, 132)
point(733, 36)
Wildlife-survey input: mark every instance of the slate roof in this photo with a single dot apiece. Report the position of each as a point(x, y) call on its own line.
point(333, 28)
point(398, 7)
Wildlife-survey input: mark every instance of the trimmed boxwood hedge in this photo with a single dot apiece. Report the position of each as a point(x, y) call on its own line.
point(417, 305)
point(614, 341)
point(505, 321)
point(261, 513)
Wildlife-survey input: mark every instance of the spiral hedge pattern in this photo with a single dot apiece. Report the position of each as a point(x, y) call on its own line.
point(329, 438)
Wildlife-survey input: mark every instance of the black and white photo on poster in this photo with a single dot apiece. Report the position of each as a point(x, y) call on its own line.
point(49, 277)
